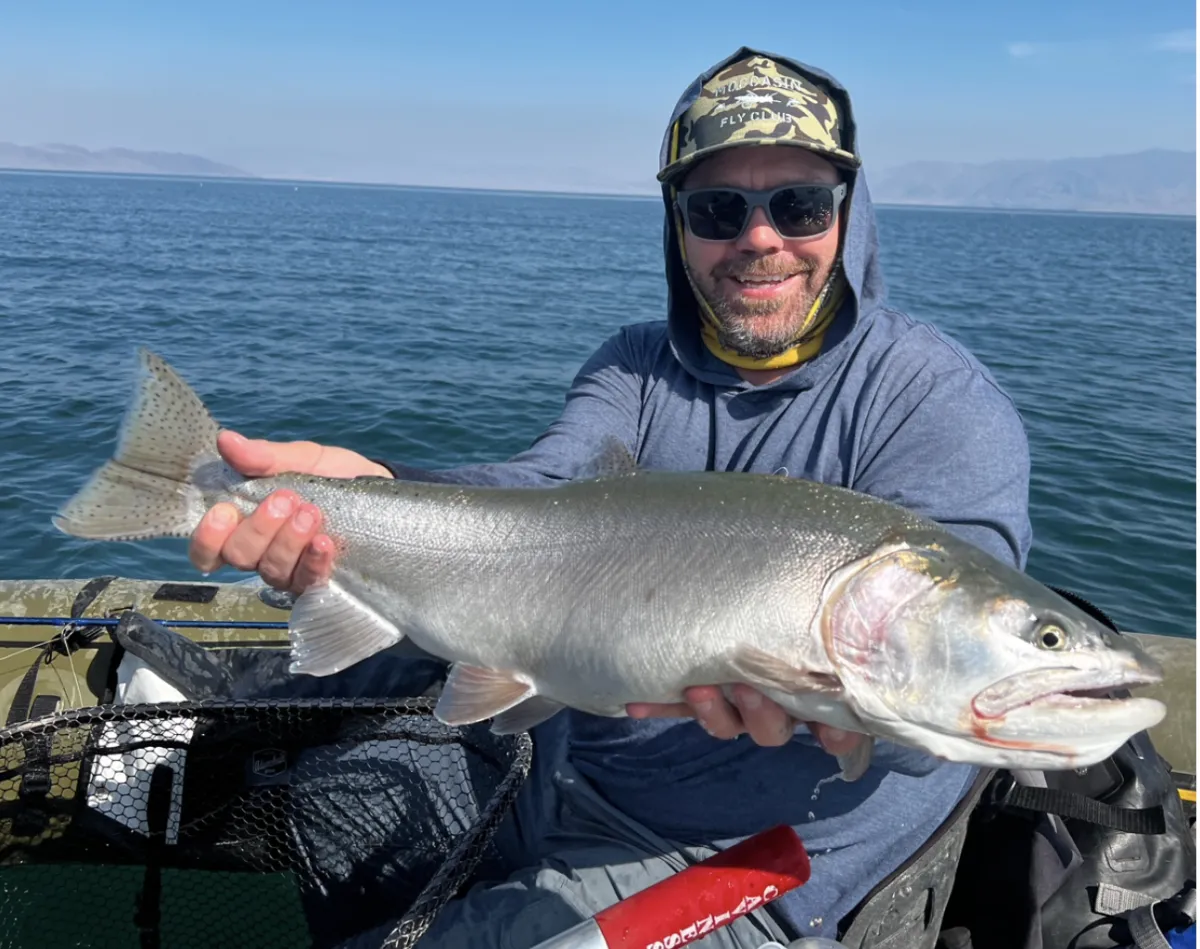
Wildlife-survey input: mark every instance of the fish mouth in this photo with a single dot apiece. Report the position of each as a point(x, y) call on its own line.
point(1062, 717)
point(1061, 689)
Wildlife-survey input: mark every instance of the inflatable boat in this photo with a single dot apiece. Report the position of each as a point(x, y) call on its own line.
point(134, 813)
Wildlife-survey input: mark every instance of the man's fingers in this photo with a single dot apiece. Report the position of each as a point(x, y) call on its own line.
point(279, 561)
point(762, 719)
point(316, 564)
point(765, 721)
point(254, 458)
point(247, 544)
point(715, 715)
point(751, 713)
point(210, 536)
point(259, 458)
point(704, 703)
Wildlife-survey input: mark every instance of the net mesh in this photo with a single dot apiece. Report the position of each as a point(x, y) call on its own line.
point(262, 824)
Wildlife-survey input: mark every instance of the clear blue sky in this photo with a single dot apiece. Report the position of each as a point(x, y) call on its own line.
point(574, 95)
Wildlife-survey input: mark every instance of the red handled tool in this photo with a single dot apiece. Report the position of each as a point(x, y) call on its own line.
point(698, 900)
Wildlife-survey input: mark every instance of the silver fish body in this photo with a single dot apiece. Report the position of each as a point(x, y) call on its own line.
point(629, 586)
point(604, 592)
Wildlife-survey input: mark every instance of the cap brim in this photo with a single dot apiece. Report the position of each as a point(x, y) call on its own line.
point(681, 166)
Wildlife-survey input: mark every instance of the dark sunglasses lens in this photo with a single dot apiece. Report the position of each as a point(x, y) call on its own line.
point(802, 212)
point(716, 215)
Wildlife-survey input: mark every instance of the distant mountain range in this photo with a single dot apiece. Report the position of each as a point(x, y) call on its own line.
point(112, 161)
point(1150, 182)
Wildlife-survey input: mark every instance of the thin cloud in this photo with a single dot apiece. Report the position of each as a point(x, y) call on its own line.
point(1177, 41)
point(1025, 50)
point(1174, 41)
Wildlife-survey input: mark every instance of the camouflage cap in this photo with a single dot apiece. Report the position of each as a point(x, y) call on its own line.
point(758, 101)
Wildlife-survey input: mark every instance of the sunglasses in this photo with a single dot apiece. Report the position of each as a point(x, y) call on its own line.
point(797, 212)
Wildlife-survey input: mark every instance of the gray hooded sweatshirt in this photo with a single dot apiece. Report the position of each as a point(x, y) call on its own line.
point(891, 407)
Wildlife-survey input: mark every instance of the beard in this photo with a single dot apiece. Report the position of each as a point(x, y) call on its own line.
point(761, 329)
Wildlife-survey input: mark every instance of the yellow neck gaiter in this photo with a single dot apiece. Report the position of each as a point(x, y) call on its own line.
point(806, 344)
point(808, 339)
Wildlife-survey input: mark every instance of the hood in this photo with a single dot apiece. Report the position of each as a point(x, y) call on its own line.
point(860, 263)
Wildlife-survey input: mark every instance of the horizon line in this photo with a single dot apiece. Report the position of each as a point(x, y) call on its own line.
point(540, 193)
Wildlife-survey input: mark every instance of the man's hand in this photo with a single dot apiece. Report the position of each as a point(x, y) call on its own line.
point(754, 714)
point(281, 539)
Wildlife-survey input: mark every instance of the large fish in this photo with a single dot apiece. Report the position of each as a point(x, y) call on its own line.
point(628, 585)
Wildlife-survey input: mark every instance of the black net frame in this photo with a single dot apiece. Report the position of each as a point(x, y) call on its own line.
point(266, 822)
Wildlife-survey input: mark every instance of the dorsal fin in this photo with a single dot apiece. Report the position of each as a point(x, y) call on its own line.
point(611, 460)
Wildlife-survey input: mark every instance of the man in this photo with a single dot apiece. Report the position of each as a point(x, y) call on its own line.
point(778, 354)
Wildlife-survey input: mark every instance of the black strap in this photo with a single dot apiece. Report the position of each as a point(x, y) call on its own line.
point(148, 915)
point(88, 593)
point(23, 699)
point(74, 635)
point(31, 819)
point(20, 710)
point(35, 775)
point(1073, 806)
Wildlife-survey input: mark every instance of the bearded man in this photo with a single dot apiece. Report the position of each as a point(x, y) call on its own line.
point(778, 354)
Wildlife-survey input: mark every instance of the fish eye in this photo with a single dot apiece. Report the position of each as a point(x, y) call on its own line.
point(1051, 636)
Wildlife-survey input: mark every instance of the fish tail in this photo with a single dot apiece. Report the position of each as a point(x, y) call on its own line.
point(166, 471)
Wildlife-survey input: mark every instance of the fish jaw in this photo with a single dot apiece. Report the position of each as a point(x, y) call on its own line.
point(1074, 738)
point(1095, 728)
point(1059, 687)
point(1031, 712)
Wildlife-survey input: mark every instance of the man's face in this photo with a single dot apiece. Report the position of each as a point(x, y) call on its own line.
point(760, 319)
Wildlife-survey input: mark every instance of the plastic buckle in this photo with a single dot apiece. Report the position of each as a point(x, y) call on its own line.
point(997, 795)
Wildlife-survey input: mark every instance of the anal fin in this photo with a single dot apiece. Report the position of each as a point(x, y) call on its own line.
point(472, 694)
point(762, 670)
point(331, 630)
point(529, 714)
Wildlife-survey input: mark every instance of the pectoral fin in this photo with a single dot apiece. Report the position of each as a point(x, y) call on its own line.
point(855, 763)
point(764, 671)
point(331, 629)
point(472, 694)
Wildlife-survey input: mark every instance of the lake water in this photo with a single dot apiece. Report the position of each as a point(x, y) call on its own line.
point(443, 327)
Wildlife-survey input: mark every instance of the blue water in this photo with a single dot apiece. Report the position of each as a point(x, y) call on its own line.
point(443, 327)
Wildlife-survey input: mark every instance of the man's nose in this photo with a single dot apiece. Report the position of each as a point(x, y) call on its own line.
point(759, 236)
